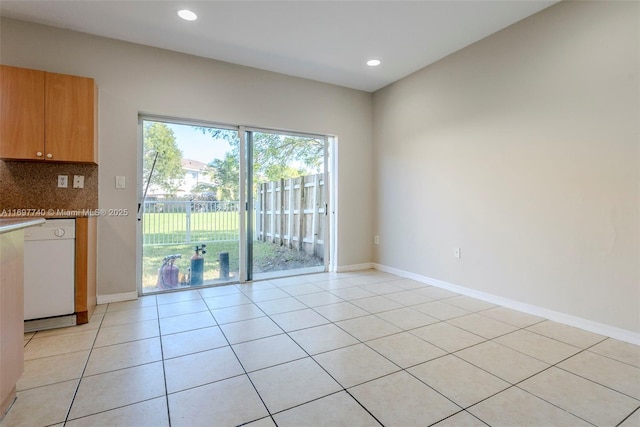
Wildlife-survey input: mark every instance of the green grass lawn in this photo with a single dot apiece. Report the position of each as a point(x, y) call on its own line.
point(171, 228)
point(176, 221)
point(166, 234)
point(267, 257)
point(153, 255)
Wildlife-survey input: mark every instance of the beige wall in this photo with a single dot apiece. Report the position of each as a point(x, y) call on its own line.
point(134, 79)
point(522, 150)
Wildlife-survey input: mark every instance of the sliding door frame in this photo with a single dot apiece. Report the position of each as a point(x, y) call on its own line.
point(328, 242)
point(246, 202)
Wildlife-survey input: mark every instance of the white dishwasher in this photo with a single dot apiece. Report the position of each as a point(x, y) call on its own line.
point(49, 275)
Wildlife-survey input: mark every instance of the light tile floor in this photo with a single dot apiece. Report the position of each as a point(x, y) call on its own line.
point(351, 349)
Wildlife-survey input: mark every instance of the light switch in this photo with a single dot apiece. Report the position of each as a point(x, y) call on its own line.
point(78, 181)
point(121, 182)
point(63, 181)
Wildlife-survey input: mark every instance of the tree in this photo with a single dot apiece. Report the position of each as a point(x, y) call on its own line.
point(205, 191)
point(160, 145)
point(226, 176)
point(274, 156)
point(274, 172)
point(281, 156)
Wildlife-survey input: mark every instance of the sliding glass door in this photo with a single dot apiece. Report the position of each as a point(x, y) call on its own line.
point(221, 205)
point(189, 208)
point(287, 193)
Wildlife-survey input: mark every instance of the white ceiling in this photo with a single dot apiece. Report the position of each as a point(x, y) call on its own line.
point(329, 41)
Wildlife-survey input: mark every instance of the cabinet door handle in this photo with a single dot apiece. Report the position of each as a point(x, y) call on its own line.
point(49, 156)
point(39, 154)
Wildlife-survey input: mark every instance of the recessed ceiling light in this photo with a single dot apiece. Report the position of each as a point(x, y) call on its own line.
point(373, 62)
point(187, 15)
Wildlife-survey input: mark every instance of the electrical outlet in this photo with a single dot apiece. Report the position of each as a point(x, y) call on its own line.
point(78, 181)
point(456, 252)
point(63, 181)
point(376, 239)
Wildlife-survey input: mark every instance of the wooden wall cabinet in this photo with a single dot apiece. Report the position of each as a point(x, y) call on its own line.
point(21, 113)
point(47, 116)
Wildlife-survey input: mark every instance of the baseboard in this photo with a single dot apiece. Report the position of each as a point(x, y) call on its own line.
point(125, 296)
point(556, 316)
point(354, 267)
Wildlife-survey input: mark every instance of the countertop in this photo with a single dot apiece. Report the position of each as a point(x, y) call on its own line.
point(12, 224)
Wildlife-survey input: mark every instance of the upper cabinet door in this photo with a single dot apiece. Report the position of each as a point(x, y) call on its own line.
point(21, 113)
point(71, 119)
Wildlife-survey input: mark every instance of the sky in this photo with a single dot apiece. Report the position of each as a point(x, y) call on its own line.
point(198, 146)
point(202, 147)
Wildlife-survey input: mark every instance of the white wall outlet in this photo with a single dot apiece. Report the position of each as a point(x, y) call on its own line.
point(456, 252)
point(63, 181)
point(78, 181)
point(376, 239)
point(121, 182)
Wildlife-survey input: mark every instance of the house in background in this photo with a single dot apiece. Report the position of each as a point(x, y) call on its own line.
point(195, 173)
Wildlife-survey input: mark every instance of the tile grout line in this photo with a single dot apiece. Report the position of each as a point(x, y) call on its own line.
point(164, 370)
point(325, 370)
point(401, 369)
point(628, 416)
point(485, 340)
point(460, 412)
point(242, 365)
point(591, 380)
point(518, 328)
point(516, 384)
point(287, 333)
point(86, 363)
point(115, 370)
point(359, 341)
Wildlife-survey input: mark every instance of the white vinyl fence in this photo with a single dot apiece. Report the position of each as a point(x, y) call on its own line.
point(288, 212)
point(170, 222)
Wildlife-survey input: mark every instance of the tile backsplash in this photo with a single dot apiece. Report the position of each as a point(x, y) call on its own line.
point(34, 185)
